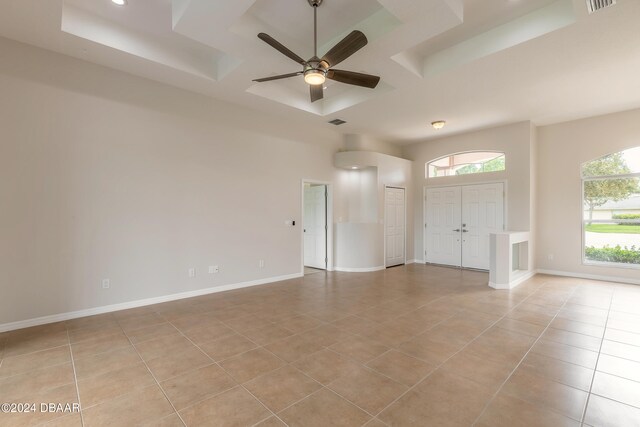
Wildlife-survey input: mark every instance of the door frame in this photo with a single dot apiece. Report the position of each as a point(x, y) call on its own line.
point(505, 208)
point(328, 221)
point(384, 223)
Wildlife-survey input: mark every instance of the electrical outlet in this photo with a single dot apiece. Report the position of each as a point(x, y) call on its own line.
point(192, 272)
point(550, 257)
point(213, 269)
point(106, 283)
point(261, 263)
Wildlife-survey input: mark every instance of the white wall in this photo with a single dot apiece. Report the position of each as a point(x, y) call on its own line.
point(514, 140)
point(357, 142)
point(360, 211)
point(106, 175)
point(562, 150)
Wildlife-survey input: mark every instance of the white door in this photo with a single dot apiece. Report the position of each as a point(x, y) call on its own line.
point(394, 217)
point(458, 223)
point(482, 214)
point(442, 219)
point(315, 226)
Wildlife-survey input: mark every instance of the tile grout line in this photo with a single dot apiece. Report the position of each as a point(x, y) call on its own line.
point(595, 369)
point(454, 354)
point(360, 364)
point(520, 362)
point(287, 363)
point(75, 377)
point(221, 367)
point(154, 378)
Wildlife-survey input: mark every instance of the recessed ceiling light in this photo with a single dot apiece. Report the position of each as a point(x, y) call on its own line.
point(354, 167)
point(438, 124)
point(119, 2)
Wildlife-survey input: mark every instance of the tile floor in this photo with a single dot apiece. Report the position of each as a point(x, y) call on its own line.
point(416, 345)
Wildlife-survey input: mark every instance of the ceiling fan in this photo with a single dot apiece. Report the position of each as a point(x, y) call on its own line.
point(316, 70)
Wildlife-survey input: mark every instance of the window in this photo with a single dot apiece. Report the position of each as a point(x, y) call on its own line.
point(611, 209)
point(466, 163)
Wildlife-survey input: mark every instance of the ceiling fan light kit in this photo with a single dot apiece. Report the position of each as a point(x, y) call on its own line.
point(314, 77)
point(316, 70)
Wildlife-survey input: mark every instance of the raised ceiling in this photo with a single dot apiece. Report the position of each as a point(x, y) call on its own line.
point(474, 63)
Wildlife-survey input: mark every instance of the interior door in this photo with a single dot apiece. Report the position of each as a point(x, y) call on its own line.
point(482, 214)
point(443, 232)
point(315, 226)
point(394, 226)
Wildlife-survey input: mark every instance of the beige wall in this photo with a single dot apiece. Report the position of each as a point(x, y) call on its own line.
point(106, 175)
point(562, 150)
point(515, 140)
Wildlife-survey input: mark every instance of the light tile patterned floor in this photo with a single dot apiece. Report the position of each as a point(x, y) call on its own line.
point(416, 345)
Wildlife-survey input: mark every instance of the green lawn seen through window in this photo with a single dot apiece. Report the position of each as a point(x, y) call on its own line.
point(613, 228)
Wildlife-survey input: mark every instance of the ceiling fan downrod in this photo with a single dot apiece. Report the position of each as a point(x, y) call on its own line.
point(315, 4)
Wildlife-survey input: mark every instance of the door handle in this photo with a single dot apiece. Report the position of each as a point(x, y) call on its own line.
point(457, 230)
point(465, 231)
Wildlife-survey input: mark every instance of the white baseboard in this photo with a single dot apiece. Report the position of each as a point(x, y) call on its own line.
point(359, 270)
point(139, 303)
point(616, 279)
point(415, 261)
point(523, 277)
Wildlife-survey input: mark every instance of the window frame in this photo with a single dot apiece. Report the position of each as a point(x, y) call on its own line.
point(583, 221)
point(500, 154)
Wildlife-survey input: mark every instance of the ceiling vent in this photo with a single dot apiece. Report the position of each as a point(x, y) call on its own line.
point(596, 5)
point(337, 122)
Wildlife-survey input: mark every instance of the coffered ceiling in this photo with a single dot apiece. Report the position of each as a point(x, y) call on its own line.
point(473, 63)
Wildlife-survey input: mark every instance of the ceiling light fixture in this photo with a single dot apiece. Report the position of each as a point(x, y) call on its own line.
point(438, 124)
point(316, 70)
point(119, 2)
point(314, 77)
point(354, 167)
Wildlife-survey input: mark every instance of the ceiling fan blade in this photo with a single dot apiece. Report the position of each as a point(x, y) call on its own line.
point(316, 92)
point(281, 48)
point(353, 78)
point(281, 76)
point(349, 45)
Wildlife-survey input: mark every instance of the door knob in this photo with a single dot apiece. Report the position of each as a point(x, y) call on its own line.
point(457, 230)
point(465, 231)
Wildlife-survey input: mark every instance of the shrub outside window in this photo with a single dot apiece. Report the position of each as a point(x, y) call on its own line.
point(466, 163)
point(611, 209)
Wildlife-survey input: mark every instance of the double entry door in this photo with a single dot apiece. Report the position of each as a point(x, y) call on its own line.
point(458, 221)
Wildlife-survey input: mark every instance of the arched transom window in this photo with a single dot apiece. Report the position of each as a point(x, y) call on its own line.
point(611, 209)
point(466, 163)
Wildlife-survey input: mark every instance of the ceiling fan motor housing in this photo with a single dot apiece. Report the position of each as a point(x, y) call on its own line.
point(315, 3)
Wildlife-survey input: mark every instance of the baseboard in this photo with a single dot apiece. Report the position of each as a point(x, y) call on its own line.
point(140, 303)
point(359, 270)
point(505, 286)
point(415, 261)
point(590, 276)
